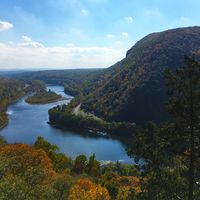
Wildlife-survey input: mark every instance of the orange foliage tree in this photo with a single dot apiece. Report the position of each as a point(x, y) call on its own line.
point(85, 189)
point(23, 160)
point(26, 173)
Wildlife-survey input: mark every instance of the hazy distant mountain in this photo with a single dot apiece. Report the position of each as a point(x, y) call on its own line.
point(134, 88)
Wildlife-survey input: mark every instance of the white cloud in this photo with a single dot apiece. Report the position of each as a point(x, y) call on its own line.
point(28, 42)
point(110, 36)
point(124, 34)
point(5, 25)
point(23, 56)
point(128, 19)
point(84, 12)
point(26, 38)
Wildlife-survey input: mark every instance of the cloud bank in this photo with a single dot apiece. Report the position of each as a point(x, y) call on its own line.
point(31, 54)
point(28, 42)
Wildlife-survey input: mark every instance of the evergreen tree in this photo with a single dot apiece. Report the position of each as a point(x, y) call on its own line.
point(93, 166)
point(184, 106)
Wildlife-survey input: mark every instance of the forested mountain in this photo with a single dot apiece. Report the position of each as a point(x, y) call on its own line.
point(134, 89)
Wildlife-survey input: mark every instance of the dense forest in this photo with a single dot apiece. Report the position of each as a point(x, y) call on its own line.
point(10, 91)
point(63, 117)
point(171, 151)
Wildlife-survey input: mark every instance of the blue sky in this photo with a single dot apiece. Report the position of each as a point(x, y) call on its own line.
point(83, 33)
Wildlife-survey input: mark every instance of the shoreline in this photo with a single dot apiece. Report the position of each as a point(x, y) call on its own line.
point(6, 109)
point(76, 121)
point(4, 124)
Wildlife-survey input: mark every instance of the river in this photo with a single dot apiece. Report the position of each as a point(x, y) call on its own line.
point(27, 122)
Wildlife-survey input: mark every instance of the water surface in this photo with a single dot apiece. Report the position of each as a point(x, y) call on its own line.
point(27, 122)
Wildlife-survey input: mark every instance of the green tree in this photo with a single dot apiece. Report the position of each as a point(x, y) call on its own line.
point(38, 85)
point(60, 160)
point(184, 106)
point(149, 146)
point(110, 181)
point(80, 164)
point(93, 166)
point(41, 143)
point(161, 172)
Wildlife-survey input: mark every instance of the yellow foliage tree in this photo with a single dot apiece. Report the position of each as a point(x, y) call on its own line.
point(85, 189)
point(130, 182)
point(122, 193)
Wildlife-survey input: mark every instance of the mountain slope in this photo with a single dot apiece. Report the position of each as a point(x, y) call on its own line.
point(134, 88)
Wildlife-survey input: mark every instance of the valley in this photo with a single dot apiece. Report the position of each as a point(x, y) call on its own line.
point(126, 132)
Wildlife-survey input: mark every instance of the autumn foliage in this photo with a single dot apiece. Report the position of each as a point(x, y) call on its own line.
point(22, 159)
point(26, 173)
point(42, 172)
point(86, 189)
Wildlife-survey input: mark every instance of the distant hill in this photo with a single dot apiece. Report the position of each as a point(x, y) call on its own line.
point(75, 81)
point(56, 76)
point(134, 88)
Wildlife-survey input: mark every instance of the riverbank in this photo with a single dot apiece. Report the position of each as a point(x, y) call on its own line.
point(76, 119)
point(3, 120)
